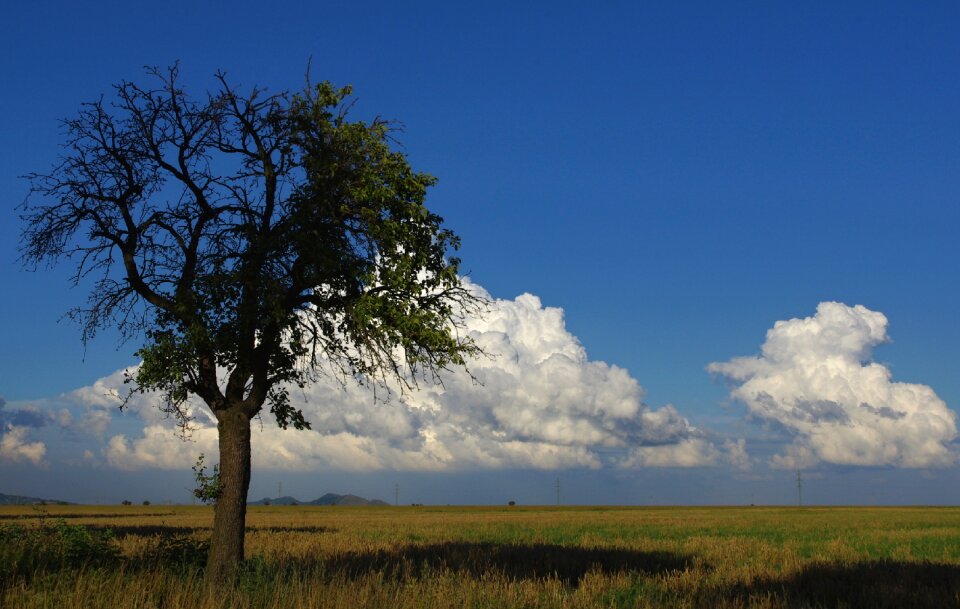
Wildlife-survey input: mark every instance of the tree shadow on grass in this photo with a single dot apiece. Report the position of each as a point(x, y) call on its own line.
point(161, 530)
point(518, 562)
point(71, 516)
point(284, 529)
point(884, 584)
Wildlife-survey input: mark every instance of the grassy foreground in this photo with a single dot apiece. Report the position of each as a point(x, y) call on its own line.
point(152, 556)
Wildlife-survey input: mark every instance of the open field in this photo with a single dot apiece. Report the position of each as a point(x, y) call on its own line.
point(61, 556)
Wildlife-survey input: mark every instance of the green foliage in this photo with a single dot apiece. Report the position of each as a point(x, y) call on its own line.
point(209, 487)
point(47, 546)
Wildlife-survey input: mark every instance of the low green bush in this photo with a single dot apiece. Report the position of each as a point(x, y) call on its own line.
point(46, 547)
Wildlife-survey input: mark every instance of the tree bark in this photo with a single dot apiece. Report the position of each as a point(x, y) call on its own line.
point(230, 511)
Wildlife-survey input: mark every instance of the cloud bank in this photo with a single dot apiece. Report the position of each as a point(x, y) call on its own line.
point(816, 380)
point(537, 402)
point(14, 446)
point(14, 427)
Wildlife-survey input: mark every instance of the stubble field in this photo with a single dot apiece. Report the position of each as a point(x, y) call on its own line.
point(152, 557)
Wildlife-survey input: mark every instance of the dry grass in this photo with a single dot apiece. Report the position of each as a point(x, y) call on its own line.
point(509, 557)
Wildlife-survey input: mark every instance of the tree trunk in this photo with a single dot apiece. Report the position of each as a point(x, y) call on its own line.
point(230, 511)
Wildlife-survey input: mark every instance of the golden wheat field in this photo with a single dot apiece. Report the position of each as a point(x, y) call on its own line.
point(152, 557)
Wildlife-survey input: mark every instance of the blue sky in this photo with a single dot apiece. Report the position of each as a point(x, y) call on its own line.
point(676, 177)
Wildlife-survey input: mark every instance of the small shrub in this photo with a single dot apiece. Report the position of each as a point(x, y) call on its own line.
point(25, 550)
point(208, 485)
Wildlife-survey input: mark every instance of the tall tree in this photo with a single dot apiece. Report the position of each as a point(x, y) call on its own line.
point(252, 242)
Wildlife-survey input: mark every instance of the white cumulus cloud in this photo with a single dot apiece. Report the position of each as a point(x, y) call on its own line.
point(15, 447)
point(816, 378)
point(537, 402)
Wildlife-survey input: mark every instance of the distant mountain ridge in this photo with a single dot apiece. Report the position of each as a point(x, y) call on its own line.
point(21, 500)
point(328, 499)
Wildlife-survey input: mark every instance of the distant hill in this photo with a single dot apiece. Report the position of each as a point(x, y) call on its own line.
point(19, 500)
point(287, 500)
point(334, 499)
point(328, 499)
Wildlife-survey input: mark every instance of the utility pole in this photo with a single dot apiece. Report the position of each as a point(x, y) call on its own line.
point(558, 491)
point(279, 489)
point(799, 488)
point(396, 494)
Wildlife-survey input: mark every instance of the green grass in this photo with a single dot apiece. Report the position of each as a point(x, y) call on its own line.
point(426, 557)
